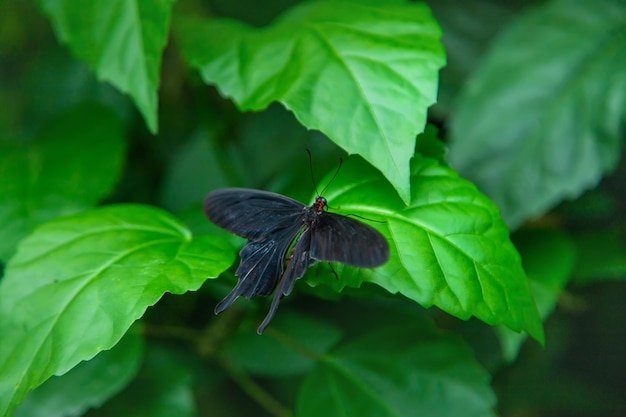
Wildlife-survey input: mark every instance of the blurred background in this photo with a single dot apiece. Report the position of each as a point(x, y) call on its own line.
point(581, 371)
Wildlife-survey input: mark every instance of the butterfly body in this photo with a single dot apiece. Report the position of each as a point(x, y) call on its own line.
point(286, 237)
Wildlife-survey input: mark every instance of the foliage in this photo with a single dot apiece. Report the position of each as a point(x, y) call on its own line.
point(560, 123)
point(110, 271)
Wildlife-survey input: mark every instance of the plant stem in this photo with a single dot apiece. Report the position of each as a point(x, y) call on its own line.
point(255, 391)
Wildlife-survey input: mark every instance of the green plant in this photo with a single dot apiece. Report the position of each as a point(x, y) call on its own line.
point(101, 207)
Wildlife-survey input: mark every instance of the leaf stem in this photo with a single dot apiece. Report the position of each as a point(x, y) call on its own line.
point(255, 391)
point(294, 344)
point(207, 342)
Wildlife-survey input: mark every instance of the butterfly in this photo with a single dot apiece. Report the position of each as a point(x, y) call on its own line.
point(285, 237)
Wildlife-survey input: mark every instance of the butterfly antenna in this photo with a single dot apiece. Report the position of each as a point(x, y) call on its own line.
point(334, 176)
point(311, 171)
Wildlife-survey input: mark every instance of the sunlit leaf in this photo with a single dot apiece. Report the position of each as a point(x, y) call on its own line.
point(450, 248)
point(77, 284)
point(364, 73)
point(121, 40)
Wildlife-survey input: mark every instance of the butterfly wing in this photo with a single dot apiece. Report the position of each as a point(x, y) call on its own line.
point(258, 273)
point(259, 260)
point(298, 264)
point(253, 214)
point(260, 267)
point(270, 222)
point(336, 238)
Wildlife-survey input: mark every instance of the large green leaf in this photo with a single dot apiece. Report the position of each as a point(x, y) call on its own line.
point(121, 40)
point(87, 385)
point(74, 163)
point(542, 119)
point(406, 369)
point(449, 247)
point(77, 284)
point(362, 72)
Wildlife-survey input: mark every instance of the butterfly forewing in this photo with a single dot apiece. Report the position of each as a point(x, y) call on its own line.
point(253, 214)
point(337, 238)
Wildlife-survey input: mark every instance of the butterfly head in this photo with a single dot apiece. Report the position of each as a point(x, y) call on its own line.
point(320, 204)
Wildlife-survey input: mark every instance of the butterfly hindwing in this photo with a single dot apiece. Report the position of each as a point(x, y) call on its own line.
point(298, 263)
point(337, 238)
point(261, 266)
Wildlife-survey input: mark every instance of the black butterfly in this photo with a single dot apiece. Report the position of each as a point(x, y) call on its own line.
point(273, 224)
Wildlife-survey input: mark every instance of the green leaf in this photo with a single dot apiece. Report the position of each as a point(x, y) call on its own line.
point(449, 248)
point(601, 256)
point(193, 172)
point(73, 164)
point(163, 388)
point(548, 256)
point(402, 370)
point(289, 347)
point(195, 219)
point(77, 284)
point(543, 118)
point(87, 385)
point(121, 40)
point(363, 73)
